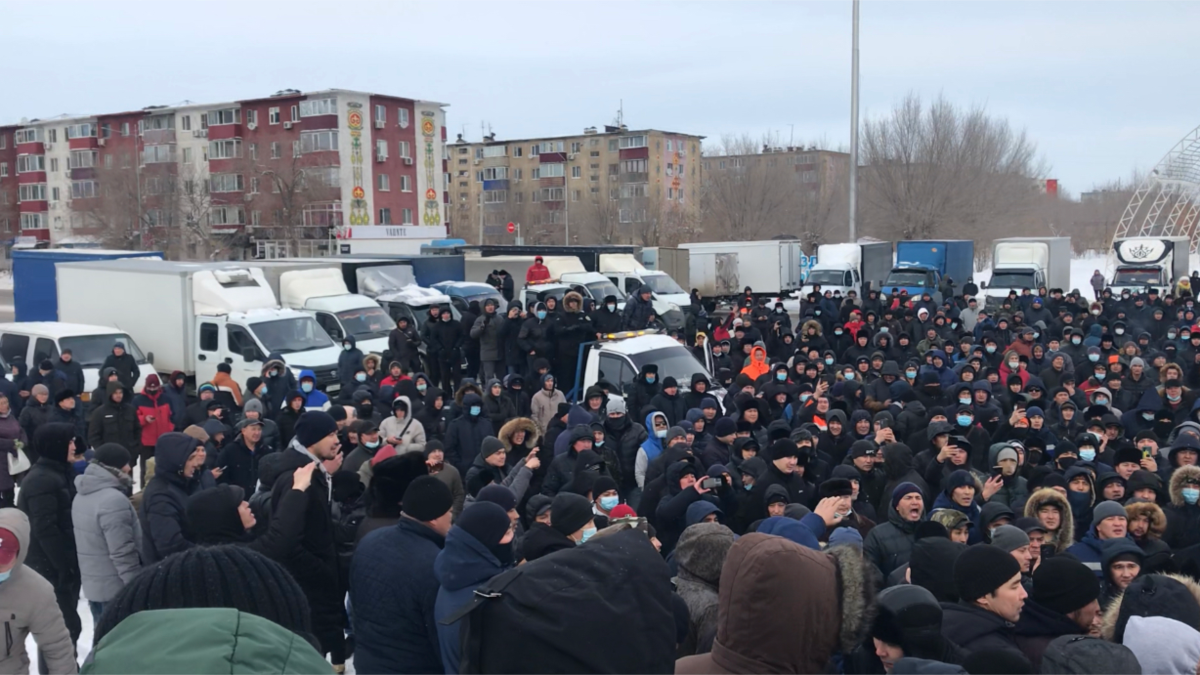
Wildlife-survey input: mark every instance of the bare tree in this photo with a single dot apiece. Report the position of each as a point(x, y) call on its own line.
point(942, 170)
point(297, 196)
point(746, 198)
point(597, 218)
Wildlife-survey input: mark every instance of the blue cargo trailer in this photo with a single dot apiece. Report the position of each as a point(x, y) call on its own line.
point(35, 284)
point(921, 264)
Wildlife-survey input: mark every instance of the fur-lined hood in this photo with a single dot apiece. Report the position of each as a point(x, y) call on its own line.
point(1108, 622)
point(468, 388)
point(1052, 497)
point(519, 424)
point(567, 298)
point(1177, 479)
point(811, 324)
point(378, 359)
point(1153, 512)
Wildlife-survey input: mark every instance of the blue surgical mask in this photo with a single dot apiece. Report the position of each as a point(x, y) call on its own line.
point(361, 377)
point(263, 390)
point(660, 433)
point(274, 373)
point(5, 575)
point(748, 488)
point(781, 377)
point(991, 349)
point(1172, 336)
point(475, 410)
point(587, 534)
point(346, 347)
point(1093, 357)
point(1148, 416)
point(849, 376)
point(804, 398)
point(964, 420)
point(1173, 399)
point(829, 362)
point(371, 444)
point(1190, 495)
point(1087, 455)
point(650, 379)
point(883, 329)
point(422, 387)
point(964, 401)
point(838, 331)
point(1100, 400)
point(611, 307)
point(607, 503)
point(306, 387)
point(910, 374)
point(541, 314)
point(1076, 341)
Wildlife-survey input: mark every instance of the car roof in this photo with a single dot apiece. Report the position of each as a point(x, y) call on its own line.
point(57, 329)
point(642, 343)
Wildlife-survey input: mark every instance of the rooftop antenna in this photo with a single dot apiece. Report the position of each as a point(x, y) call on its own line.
point(792, 137)
point(464, 130)
point(621, 113)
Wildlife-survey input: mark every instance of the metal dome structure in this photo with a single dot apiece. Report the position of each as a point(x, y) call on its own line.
point(1167, 203)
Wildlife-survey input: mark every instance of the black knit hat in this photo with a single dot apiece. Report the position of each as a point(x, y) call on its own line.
point(1063, 584)
point(213, 576)
point(536, 506)
point(112, 455)
point(498, 494)
point(427, 498)
point(981, 569)
point(313, 426)
point(931, 566)
point(782, 448)
point(487, 522)
point(603, 484)
point(569, 512)
point(836, 487)
point(1156, 595)
point(907, 613)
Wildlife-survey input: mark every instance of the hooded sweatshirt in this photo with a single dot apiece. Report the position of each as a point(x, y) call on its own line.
point(29, 607)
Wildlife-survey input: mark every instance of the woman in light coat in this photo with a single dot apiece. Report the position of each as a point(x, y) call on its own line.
point(544, 404)
point(402, 431)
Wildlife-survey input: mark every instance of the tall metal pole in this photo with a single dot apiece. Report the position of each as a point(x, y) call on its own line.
point(854, 131)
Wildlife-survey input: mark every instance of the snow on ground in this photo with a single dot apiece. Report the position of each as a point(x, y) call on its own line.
point(6, 280)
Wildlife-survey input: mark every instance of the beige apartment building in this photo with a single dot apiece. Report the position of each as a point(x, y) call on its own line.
point(820, 171)
point(609, 185)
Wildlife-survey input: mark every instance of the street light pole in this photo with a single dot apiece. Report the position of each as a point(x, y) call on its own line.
point(854, 131)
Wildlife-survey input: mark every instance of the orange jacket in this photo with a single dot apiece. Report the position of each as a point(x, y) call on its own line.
point(224, 382)
point(758, 364)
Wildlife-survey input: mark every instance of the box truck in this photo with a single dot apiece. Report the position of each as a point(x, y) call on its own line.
point(35, 290)
point(1150, 262)
point(850, 267)
point(770, 268)
point(192, 316)
point(320, 290)
point(675, 262)
point(1027, 262)
point(921, 265)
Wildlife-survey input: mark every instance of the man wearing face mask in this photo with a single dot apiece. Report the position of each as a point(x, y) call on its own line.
point(465, 434)
point(1183, 513)
point(447, 341)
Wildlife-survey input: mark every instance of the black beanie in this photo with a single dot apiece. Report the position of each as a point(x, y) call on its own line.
point(836, 487)
point(931, 566)
point(907, 613)
point(487, 522)
point(112, 455)
point(569, 512)
point(981, 569)
point(498, 494)
point(313, 426)
point(213, 576)
point(1063, 584)
point(490, 446)
point(427, 498)
point(997, 662)
point(783, 448)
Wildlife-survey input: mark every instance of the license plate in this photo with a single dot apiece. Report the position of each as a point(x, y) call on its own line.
point(333, 387)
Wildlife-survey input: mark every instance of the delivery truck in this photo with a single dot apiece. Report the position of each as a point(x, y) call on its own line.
point(675, 262)
point(921, 265)
point(192, 316)
point(320, 290)
point(35, 289)
point(1150, 262)
point(1027, 262)
point(714, 274)
point(850, 267)
point(770, 268)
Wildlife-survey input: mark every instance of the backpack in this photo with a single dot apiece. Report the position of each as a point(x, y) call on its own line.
point(603, 607)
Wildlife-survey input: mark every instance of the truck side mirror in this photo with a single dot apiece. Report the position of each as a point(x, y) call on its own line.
point(983, 284)
point(150, 358)
point(250, 354)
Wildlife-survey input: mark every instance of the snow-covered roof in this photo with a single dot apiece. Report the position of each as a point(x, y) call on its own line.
point(415, 295)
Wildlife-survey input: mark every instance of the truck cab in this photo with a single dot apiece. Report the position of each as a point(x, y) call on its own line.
point(617, 358)
point(837, 277)
point(915, 281)
point(322, 292)
point(31, 342)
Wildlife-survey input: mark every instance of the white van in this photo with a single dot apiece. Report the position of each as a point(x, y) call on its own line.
point(34, 341)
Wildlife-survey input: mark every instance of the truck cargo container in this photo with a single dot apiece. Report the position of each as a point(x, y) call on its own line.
point(770, 268)
point(1027, 262)
point(35, 289)
point(1150, 262)
point(850, 267)
point(921, 265)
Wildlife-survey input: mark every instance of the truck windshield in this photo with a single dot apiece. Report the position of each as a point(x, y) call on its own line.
point(1011, 280)
point(911, 278)
point(1137, 276)
point(829, 278)
point(602, 289)
point(421, 313)
point(676, 362)
point(287, 336)
point(89, 351)
point(366, 323)
point(662, 284)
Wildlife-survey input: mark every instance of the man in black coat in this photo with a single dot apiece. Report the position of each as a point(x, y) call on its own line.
point(126, 366)
point(178, 461)
point(669, 402)
point(627, 437)
point(606, 317)
point(638, 308)
point(403, 343)
point(446, 340)
point(114, 422)
point(45, 496)
point(239, 460)
point(572, 329)
point(534, 338)
point(784, 468)
point(314, 564)
point(45, 374)
point(465, 433)
point(71, 370)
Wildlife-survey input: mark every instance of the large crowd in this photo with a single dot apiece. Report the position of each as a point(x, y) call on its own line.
point(889, 484)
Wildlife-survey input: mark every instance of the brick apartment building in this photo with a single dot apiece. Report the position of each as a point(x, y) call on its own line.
point(819, 171)
point(612, 186)
point(312, 160)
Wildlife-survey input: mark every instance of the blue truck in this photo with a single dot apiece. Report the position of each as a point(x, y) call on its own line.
point(921, 265)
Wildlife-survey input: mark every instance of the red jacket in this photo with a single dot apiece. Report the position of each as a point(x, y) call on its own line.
point(537, 272)
point(159, 408)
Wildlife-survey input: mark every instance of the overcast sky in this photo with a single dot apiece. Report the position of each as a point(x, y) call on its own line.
point(1103, 88)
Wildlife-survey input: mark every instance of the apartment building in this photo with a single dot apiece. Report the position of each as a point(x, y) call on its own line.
point(315, 160)
point(601, 185)
point(819, 171)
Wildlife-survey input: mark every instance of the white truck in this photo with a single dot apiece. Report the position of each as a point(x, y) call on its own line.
point(842, 268)
point(1027, 262)
point(770, 268)
point(618, 358)
point(1149, 262)
point(322, 292)
point(192, 316)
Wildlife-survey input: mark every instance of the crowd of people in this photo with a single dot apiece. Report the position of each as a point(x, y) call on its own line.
point(888, 484)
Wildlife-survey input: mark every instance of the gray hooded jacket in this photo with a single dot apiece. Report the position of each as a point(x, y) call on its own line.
point(108, 535)
point(28, 607)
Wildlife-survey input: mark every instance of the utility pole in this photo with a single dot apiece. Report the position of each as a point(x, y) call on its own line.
point(854, 131)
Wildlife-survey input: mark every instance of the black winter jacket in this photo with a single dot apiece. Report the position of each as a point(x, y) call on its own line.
point(164, 501)
point(45, 497)
point(465, 434)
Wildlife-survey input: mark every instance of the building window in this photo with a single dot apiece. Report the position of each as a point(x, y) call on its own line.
point(33, 221)
point(385, 183)
point(495, 196)
point(577, 172)
point(274, 150)
point(84, 130)
point(318, 141)
point(31, 163)
point(406, 217)
point(380, 150)
point(406, 183)
point(3, 141)
point(125, 129)
point(296, 148)
point(633, 190)
point(54, 165)
point(108, 161)
point(494, 173)
point(32, 192)
point(326, 176)
point(52, 135)
point(82, 189)
point(576, 146)
point(517, 174)
point(226, 182)
point(404, 150)
point(318, 106)
point(295, 114)
point(380, 115)
point(82, 159)
point(402, 116)
point(254, 187)
point(385, 216)
point(533, 150)
point(494, 151)
point(28, 136)
point(256, 218)
point(479, 176)
point(633, 166)
point(551, 171)
point(54, 194)
point(3, 169)
point(517, 151)
point(553, 194)
point(575, 195)
point(225, 116)
point(252, 117)
point(225, 149)
point(253, 150)
point(227, 215)
point(185, 122)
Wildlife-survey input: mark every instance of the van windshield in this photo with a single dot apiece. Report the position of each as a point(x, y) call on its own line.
point(828, 278)
point(89, 351)
point(912, 278)
point(1011, 280)
point(287, 336)
point(1136, 276)
point(600, 290)
point(662, 284)
point(367, 323)
point(676, 362)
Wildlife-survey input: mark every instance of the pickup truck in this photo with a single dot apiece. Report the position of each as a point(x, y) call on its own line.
point(617, 358)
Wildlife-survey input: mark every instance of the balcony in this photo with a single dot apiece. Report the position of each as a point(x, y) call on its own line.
point(158, 136)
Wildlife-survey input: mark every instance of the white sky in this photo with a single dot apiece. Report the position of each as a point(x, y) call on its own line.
point(1101, 87)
